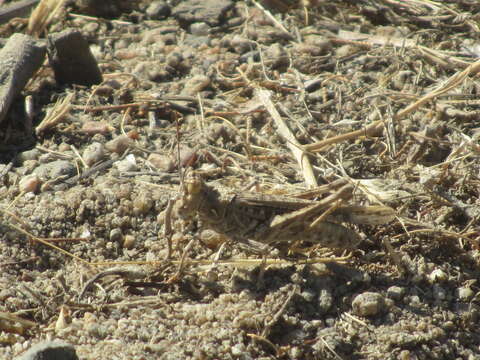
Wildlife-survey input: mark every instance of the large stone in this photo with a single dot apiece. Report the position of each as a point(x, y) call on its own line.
point(50, 350)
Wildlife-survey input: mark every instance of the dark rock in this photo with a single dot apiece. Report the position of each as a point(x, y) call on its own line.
point(71, 59)
point(50, 350)
point(20, 58)
point(106, 8)
point(55, 169)
point(396, 292)
point(208, 11)
point(158, 10)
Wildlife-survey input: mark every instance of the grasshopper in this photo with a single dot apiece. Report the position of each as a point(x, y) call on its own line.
point(253, 218)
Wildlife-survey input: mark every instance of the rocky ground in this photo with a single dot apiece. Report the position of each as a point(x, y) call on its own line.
point(382, 93)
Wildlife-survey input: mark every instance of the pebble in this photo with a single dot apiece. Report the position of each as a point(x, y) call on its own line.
point(119, 144)
point(414, 301)
point(129, 242)
point(127, 164)
point(55, 169)
point(395, 292)
point(212, 239)
point(159, 348)
point(437, 275)
point(158, 10)
point(368, 304)
point(161, 162)
point(29, 155)
point(309, 49)
point(196, 41)
point(93, 153)
point(64, 147)
point(404, 355)
point(464, 293)
point(238, 349)
point(308, 295)
point(116, 235)
point(29, 183)
point(174, 60)
point(278, 56)
point(46, 158)
point(209, 11)
point(345, 50)
point(199, 29)
point(96, 127)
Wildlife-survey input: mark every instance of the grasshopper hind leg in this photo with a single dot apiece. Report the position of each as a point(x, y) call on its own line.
point(326, 234)
point(332, 235)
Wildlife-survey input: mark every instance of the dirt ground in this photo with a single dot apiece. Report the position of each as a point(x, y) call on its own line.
point(384, 94)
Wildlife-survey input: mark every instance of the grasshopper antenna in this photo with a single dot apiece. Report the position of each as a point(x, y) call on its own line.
point(168, 230)
point(181, 173)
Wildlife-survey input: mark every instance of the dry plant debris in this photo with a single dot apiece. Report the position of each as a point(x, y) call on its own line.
point(339, 140)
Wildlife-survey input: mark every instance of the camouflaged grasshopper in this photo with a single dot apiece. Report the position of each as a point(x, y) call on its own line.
point(253, 218)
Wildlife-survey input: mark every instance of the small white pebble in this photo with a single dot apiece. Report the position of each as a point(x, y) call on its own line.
point(465, 293)
point(85, 233)
point(29, 183)
point(127, 164)
point(93, 153)
point(437, 275)
point(238, 349)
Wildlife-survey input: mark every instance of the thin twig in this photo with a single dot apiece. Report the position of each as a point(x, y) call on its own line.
point(292, 143)
point(167, 229)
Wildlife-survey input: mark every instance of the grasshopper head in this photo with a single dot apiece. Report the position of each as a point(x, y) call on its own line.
point(191, 197)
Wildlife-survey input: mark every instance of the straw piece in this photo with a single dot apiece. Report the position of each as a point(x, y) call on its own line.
point(292, 143)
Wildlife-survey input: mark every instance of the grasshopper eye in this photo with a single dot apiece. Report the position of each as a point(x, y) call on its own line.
point(193, 186)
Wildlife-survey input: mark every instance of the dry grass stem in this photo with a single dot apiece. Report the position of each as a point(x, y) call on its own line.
point(56, 115)
point(292, 143)
point(43, 15)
